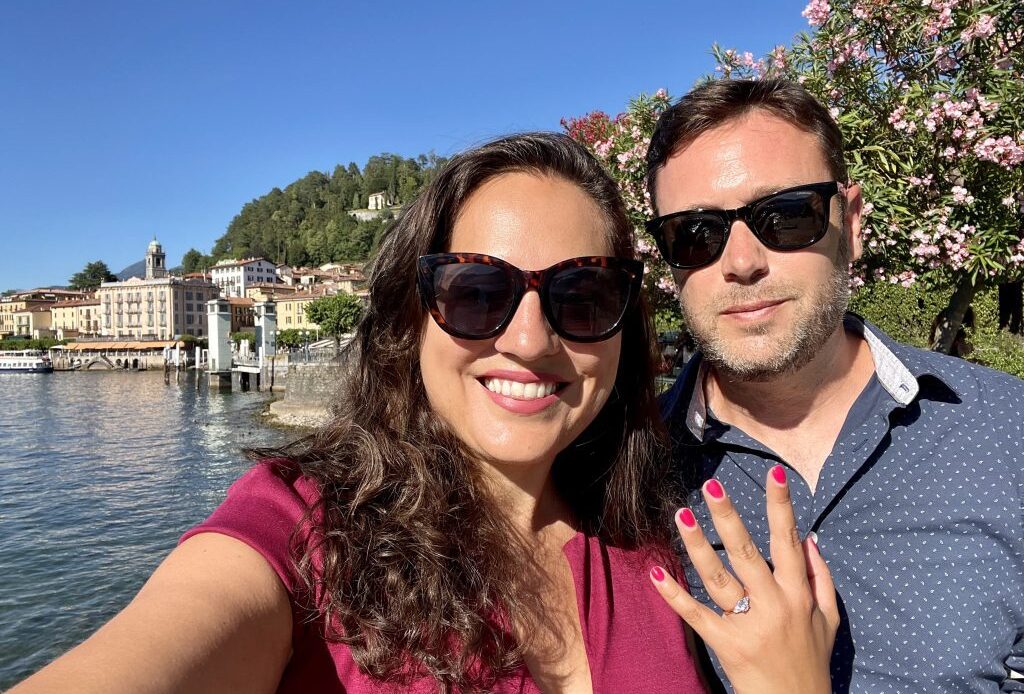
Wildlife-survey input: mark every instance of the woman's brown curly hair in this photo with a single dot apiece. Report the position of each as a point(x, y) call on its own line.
point(410, 562)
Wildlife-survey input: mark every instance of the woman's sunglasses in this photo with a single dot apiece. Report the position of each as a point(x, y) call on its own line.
point(789, 220)
point(474, 296)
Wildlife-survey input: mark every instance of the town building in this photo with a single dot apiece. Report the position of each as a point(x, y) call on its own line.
point(243, 314)
point(266, 291)
point(25, 301)
point(233, 276)
point(33, 323)
point(79, 318)
point(291, 310)
point(159, 307)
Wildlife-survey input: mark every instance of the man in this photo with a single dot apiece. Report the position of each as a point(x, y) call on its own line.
point(908, 466)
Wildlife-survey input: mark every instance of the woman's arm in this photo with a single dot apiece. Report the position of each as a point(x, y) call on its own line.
point(213, 617)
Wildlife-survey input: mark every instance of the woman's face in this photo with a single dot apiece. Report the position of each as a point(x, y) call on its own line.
point(532, 221)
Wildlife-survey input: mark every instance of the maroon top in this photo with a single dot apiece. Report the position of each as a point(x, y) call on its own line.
point(634, 641)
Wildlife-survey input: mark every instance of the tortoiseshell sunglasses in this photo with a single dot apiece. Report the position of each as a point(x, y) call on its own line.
point(474, 296)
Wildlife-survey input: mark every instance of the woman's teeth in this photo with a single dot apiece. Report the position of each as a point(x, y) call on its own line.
point(518, 390)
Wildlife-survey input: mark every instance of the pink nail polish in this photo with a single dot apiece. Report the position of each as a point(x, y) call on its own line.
point(714, 489)
point(657, 574)
point(687, 518)
point(779, 474)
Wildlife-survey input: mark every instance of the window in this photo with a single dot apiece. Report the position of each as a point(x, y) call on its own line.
point(189, 319)
point(188, 296)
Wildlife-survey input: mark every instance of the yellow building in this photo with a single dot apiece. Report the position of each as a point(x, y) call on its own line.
point(75, 318)
point(33, 323)
point(266, 291)
point(25, 301)
point(291, 311)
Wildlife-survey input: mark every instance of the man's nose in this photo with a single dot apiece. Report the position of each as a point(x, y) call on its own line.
point(744, 259)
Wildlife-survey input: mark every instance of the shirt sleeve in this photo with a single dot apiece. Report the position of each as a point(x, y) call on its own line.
point(262, 509)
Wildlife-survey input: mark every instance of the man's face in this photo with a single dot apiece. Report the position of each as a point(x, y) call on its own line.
point(757, 312)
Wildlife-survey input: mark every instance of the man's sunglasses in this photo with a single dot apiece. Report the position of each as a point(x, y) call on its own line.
point(789, 220)
point(474, 296)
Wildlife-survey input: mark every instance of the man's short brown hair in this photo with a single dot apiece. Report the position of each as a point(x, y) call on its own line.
point(719, 101)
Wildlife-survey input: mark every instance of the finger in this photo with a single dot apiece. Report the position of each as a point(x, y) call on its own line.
point(822, 587)
point(786, 548)
point(701, 619)
point(719, 582)
point(745, 557)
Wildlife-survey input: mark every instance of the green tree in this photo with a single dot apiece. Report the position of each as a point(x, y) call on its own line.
point(195, 261)
point(91, 276)
point(336, 315)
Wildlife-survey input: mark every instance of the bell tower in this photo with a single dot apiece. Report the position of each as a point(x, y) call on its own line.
point(156, 260)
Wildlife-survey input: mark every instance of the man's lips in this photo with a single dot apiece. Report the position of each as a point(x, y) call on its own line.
point(752, 307)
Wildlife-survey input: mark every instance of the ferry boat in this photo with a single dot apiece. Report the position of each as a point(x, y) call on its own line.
point(25, 361)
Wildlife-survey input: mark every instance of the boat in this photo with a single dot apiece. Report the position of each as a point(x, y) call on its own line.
point(25, 361)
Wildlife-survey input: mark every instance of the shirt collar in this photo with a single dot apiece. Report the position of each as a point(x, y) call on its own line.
point(896, 367)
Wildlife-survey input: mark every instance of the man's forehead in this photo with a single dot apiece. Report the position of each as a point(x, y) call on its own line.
point(743, 159)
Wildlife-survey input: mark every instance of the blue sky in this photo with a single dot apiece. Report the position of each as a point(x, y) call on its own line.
point(124, 120)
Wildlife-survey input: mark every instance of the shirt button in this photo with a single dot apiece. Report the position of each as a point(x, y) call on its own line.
point(813, 536)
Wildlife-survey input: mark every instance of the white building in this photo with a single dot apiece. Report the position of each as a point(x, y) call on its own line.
point(234, 276)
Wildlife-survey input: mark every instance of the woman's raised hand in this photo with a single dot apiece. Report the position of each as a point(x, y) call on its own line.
point(777, 628)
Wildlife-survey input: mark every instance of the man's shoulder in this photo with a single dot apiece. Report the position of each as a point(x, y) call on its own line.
point(970, 381)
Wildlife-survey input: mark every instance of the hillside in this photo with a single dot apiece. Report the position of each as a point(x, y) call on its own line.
point(308, 222)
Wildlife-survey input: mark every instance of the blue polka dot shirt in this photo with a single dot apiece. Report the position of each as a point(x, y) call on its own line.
point(918, 512)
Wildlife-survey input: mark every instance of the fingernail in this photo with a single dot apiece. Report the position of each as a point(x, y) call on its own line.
point(687, 518)
point(657, 574)
point(714, 489)
point(779, 474)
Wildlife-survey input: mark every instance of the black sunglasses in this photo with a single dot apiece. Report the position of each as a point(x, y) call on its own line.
point(788, 220)
point(474, 296)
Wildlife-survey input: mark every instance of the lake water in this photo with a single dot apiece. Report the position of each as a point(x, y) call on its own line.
point(100, 473)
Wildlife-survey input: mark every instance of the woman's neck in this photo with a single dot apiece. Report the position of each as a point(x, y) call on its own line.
point(526, 494)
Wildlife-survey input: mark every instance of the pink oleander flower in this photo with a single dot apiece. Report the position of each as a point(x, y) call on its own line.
point(983, 28)
point(961, 196)
point(817, 12)
point(666, 284)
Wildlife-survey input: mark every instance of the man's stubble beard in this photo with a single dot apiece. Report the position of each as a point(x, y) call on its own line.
point(819, 317)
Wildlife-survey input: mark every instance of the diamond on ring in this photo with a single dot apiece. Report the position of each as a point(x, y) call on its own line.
point(742, 605)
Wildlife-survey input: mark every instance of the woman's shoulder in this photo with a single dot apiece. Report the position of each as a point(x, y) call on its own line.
point(263, 508)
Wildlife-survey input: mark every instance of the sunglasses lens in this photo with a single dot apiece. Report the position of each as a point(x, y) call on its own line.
point(473, 298)
point(692, 240)
point(791, 220)
point(587, 303)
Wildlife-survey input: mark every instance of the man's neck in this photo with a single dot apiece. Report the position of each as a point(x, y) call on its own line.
point(798, 414)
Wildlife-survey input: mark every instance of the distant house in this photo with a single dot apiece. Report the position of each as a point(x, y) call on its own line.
point(378, 204)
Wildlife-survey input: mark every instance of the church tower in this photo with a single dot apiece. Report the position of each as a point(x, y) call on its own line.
point(156, 260)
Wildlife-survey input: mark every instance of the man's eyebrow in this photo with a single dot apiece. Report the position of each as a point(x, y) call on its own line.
point(755, 194)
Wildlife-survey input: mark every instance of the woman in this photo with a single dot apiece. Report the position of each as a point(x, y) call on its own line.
point(490, 505)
